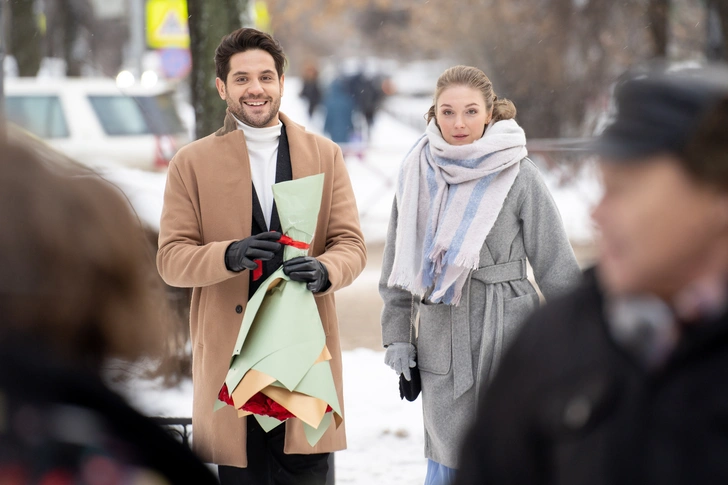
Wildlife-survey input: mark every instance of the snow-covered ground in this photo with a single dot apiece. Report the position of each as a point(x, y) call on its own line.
point(385, 434)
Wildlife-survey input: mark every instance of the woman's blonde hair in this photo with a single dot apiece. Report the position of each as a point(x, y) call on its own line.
point(472, 77)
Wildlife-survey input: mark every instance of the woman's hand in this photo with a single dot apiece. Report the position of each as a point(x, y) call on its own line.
point(400, 357)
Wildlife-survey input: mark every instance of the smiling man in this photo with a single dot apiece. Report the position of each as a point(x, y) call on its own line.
point(220, 223)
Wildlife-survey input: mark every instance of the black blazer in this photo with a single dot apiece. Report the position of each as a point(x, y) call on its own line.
point(284, 172)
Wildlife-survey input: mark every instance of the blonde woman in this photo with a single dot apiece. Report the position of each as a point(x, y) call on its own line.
point(470, 211)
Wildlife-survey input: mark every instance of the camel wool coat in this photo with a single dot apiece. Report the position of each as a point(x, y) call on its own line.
point(207, 206)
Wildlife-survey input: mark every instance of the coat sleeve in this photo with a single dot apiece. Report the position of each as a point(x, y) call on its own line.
point(547, 246)
point(183, 260)
point(396, 313)
point(345, 255)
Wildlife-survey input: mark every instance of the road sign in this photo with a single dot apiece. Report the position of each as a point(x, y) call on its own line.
point(176, 63)
point(167, 24)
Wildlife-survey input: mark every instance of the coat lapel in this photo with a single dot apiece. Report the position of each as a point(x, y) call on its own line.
point(305, 156)
point(283, 174)
point(258, 216)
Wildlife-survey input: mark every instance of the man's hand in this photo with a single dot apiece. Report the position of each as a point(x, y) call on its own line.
point(242, 254)
point(309, 270)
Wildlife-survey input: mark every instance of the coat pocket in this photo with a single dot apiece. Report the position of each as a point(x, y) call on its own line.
point(515, 312)
point(434, 339)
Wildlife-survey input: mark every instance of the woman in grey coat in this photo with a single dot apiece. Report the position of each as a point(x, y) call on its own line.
point(471, 210)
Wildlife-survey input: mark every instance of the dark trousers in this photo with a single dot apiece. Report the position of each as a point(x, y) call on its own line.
point(268, 465)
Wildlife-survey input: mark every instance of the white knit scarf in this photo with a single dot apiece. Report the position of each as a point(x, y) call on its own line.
point(448, 199)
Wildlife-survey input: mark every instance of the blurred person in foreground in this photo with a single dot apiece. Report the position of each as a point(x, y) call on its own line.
point(77, 289)
point(470, 211)
point(219, 235)
point(624, 380)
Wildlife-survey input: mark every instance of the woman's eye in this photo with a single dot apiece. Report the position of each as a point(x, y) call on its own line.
point(447, 112)
point(473, 112)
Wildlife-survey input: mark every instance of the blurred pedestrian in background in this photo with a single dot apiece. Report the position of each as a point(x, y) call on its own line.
point(470, 211)
point(623, 381)
point(311, 89)
point(339, 103)
point(77, 288)
point(368, 94)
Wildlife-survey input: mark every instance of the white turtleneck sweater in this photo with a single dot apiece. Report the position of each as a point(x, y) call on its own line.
point(263, 152)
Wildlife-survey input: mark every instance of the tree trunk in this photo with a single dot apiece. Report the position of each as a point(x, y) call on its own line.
point(209, 21)
point(657, 11)
point(70, 30)
point(722, 8)
point(25, 37)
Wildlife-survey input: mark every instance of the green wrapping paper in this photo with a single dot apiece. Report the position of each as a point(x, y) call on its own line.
point(281, 346)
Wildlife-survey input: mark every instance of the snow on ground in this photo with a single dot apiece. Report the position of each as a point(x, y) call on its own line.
point(385, 434)
point(145, 191)
point(576, 196)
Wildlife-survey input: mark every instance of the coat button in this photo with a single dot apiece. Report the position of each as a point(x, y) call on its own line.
point(577, 412)
point(239, 309)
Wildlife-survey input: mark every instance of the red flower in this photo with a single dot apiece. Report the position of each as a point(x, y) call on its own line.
point(261, 405)
point(224, 395)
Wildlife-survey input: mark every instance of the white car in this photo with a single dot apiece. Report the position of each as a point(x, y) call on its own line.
point(96, 123)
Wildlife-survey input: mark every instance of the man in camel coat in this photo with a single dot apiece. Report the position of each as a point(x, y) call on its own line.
point(219, 220)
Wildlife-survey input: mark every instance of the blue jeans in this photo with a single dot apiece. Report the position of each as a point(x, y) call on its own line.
point(439, 474)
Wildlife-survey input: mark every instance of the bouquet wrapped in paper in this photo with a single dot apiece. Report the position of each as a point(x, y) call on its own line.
point(280, 366)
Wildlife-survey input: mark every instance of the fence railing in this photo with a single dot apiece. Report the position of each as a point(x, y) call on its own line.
point(182, 428)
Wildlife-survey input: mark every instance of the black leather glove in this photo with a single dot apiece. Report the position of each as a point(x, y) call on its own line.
point(242, 254)
point(309, 270)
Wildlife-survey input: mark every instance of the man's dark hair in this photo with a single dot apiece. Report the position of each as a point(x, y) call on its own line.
point(706, 156)
point(246, 39)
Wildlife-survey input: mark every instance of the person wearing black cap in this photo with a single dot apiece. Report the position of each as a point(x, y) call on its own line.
point(623, 381)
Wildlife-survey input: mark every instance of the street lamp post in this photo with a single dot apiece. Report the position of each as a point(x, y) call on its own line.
point(137, 40)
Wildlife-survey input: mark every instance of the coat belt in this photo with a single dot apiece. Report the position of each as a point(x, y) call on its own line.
point(463, 374)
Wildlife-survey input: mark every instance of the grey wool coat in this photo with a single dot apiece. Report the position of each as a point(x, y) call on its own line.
point(455, 342)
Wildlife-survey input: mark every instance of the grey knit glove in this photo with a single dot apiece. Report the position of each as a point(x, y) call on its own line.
point(400, 357)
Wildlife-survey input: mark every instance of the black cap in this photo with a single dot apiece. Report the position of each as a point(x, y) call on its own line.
point(660, 111)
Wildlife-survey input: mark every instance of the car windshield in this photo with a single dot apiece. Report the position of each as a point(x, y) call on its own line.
point(161, 114)
point(137, 115)
point(40, 115)
point(120, 115)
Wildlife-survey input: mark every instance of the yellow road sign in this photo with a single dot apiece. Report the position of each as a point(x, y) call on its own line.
point(167, 24)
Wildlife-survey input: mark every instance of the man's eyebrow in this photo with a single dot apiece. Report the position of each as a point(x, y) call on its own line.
point(238, 73)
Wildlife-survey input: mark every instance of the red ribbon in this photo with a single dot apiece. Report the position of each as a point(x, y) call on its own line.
point(286, 241)
point(258, 271)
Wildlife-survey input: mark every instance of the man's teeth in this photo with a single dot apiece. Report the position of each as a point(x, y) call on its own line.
point(259, 103)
